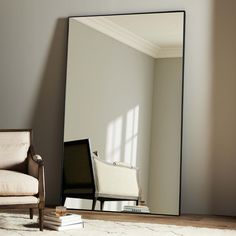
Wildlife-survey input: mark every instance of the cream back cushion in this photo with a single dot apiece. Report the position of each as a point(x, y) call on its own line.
point(116, 180)
point(13, 149)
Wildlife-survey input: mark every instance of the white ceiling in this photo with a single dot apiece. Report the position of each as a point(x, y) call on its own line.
point(163, 29)
point(158, 35)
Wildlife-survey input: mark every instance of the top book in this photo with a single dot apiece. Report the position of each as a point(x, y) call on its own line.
point(67, 217)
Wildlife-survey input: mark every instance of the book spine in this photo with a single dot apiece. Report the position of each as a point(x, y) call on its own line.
point(61, 220)
point(61, 228)
point(63, 223)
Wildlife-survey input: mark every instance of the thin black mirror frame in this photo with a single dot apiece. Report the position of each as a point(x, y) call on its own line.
point(182, 103)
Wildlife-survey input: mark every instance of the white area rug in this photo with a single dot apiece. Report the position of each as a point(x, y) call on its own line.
point(21, 225)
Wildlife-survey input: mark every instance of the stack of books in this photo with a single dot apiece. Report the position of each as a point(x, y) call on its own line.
point(65, 222)
point(137, 209)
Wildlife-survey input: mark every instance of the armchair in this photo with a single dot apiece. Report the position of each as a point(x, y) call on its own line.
point(115, 182)
point(21, 173)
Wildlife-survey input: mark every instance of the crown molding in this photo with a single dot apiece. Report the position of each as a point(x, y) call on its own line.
point(127, 37)
point(170, 52)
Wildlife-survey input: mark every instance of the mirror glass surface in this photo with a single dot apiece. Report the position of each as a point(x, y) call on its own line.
point(124, 93)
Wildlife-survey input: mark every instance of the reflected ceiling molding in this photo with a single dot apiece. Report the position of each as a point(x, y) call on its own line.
point(127, 37)
point(170, 52)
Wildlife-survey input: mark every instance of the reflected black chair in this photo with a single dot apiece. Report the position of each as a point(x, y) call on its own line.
point(86, 176)
point(78, 177)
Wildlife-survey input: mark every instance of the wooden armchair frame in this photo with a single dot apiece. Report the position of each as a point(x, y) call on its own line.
point(35, 168)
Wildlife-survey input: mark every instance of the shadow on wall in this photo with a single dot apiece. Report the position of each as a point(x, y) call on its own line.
point(223, 162)
point(48, 118)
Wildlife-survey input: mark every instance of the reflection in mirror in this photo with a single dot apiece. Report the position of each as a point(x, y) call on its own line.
point(124, 93)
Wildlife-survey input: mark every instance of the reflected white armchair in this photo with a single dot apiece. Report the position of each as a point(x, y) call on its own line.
point(115, 182)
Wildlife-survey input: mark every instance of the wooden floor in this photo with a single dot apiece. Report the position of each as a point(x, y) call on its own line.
point(220, 222)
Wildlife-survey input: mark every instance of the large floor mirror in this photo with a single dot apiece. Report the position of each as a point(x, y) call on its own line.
point(124, 93)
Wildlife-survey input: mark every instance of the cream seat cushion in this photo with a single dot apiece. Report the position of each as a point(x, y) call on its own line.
point(14, 183)
point(18, 200)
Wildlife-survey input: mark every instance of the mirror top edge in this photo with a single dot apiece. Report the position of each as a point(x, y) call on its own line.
point(128, 13)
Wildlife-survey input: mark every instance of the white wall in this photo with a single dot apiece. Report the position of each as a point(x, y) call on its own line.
point(109, 99)
point(32, 72)
point(164, 176)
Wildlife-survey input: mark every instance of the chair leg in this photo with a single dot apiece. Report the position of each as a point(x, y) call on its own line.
point(41, 219)
point(31, 210)
point(94, 203)
point(101, 204)
point(63, 200)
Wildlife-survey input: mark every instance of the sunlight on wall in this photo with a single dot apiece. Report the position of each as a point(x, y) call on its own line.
point(114, 137)
point(131, 137)
point(121, 145)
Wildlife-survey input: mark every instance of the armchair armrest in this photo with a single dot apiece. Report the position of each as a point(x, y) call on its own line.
point(123, 164)
point(36, 169)
point(34, 161)
point(38, 159)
